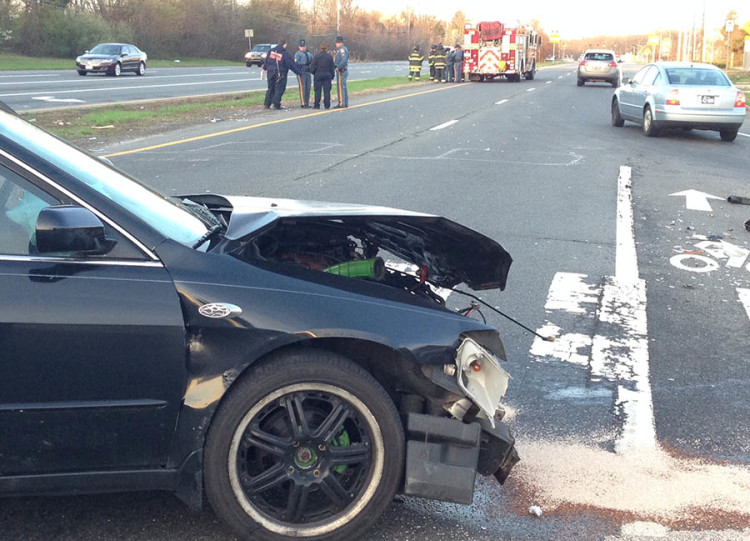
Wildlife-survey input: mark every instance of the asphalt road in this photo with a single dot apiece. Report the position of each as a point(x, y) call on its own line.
point(33, 90)
point(537, 166)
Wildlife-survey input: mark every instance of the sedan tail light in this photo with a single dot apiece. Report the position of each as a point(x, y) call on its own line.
point(613, 64)
point(583, 63)
point(673, 97)
point(740, 100)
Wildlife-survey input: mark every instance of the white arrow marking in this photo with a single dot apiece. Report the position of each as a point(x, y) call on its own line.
point(744, 295)
point(695, 200)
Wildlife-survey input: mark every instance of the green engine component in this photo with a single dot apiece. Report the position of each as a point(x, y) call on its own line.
point(373, 268)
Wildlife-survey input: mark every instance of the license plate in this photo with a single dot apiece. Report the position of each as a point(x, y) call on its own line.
point(89, 66)
point(707, 100)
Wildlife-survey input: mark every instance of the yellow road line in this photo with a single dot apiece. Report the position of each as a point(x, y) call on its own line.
point(270, 123)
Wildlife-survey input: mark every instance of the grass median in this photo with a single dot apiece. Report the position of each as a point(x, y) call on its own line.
point(81, 124)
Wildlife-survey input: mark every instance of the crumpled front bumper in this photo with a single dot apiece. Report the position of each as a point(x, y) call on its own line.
point(444, 454)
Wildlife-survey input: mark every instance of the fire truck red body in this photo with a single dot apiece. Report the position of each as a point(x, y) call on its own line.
point(493, 50)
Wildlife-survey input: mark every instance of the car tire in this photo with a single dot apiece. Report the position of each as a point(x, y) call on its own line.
point(82, 72)
point(116, 70)
point(617, 120)
point(728, 134)
point(648, 123)
point(580, 82)
point(307, 445)
point(615, 82)
point(141, 69)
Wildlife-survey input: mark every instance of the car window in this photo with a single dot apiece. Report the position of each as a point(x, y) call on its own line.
point(638, 77)
point(153, 208)
point(604, 57)
point(105, 48)
point(20, 205)
point(650, 76)
point(690, 76)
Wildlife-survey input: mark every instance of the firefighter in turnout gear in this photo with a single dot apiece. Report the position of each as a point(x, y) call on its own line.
point(440, 60)
point(415, 64)
point(431, 61)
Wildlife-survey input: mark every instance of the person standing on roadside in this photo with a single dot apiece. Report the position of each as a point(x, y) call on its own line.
point(415, 64)
point(277, 66)
point(322, 69)
point(341, 62)
point(431, 61)
point(449, 66)
point(440, 64)
point(458, 64)
point(303, 58)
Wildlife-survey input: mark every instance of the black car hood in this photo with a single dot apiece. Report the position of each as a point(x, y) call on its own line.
point(453, 253)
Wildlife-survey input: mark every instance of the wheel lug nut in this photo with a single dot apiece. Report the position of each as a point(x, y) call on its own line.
point(322, 447)
point(291, 469)
point(296, 444)
point(316, 473)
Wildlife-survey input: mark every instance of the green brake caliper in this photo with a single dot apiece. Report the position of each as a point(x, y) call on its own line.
point(342, 440)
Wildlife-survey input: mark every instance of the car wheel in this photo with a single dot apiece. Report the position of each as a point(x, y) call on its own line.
point(117, 70)
point(248, 64)
point(648, 123)
point(82, 72)
point(141, 69)
point(728, 135)
point(617, 120)
point(308, 445)
point(615, 82)
point(580, 82)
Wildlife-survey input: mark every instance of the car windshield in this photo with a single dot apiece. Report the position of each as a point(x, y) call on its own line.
point(604, 57)
point(262, 48)
point(105, 48)
point(153, 208)
point(697, 77)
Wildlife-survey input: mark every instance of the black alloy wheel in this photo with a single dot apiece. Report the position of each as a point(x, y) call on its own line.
point(309, 445)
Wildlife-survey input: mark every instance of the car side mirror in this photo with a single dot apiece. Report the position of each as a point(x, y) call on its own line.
point(625, 81)
point(69, 228)
point(123, 54)
point(86, 51)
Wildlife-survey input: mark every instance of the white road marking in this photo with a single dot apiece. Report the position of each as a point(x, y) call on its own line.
point(501, 102)
point(696, 200)
point(138, 87)
point(52, 99)
point(548, 83)
point(618, 350)
point(744, 134)
point(443, 125)
point(530, 89)
point(31, 75)
point(744, 295)
point(559, 76)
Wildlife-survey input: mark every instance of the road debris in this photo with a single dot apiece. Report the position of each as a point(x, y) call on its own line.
point(739, 200)
point(535, 510)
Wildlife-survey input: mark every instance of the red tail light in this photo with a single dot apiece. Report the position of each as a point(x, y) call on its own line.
point(740, 100)
point(583, 63)
point(673, 97)
point(613, 64)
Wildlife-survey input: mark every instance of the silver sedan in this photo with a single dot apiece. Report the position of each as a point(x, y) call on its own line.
point(680, 95)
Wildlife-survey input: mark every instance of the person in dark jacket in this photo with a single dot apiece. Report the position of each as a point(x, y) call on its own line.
point(277, 66)
point(458, 64)
point(431, 61)
point(322, 69)
point(449, 66)
point(415, 64)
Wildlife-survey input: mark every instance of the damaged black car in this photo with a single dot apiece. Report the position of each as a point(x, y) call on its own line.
point(295, 362)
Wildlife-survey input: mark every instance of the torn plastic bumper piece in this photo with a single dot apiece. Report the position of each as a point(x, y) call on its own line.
point(443, 456)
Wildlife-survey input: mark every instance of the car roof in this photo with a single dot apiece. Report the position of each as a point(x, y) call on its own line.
point(599, 51)
point(675, 64)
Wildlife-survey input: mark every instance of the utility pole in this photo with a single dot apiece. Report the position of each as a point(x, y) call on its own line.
point(338, 17)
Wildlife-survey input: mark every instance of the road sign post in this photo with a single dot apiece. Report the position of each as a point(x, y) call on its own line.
point(729, 28)
point(249, 36)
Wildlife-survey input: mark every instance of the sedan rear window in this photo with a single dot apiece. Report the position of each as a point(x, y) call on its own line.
point(697, 77)
point(604, 57)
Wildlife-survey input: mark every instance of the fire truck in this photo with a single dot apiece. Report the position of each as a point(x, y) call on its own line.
point(493, 50)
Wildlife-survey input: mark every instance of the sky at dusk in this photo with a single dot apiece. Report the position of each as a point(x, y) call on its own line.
point(578, 18)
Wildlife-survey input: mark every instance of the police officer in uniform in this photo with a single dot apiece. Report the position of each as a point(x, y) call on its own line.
point(277, 66)
point(303, 58)
point(415, 64)
point(322, 70)
point(341, 62)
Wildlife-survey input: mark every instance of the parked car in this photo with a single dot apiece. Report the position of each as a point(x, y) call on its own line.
point(257, 55)
point(293, 361)
point(599, 65)
point(680, 95)
point(112, 59)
